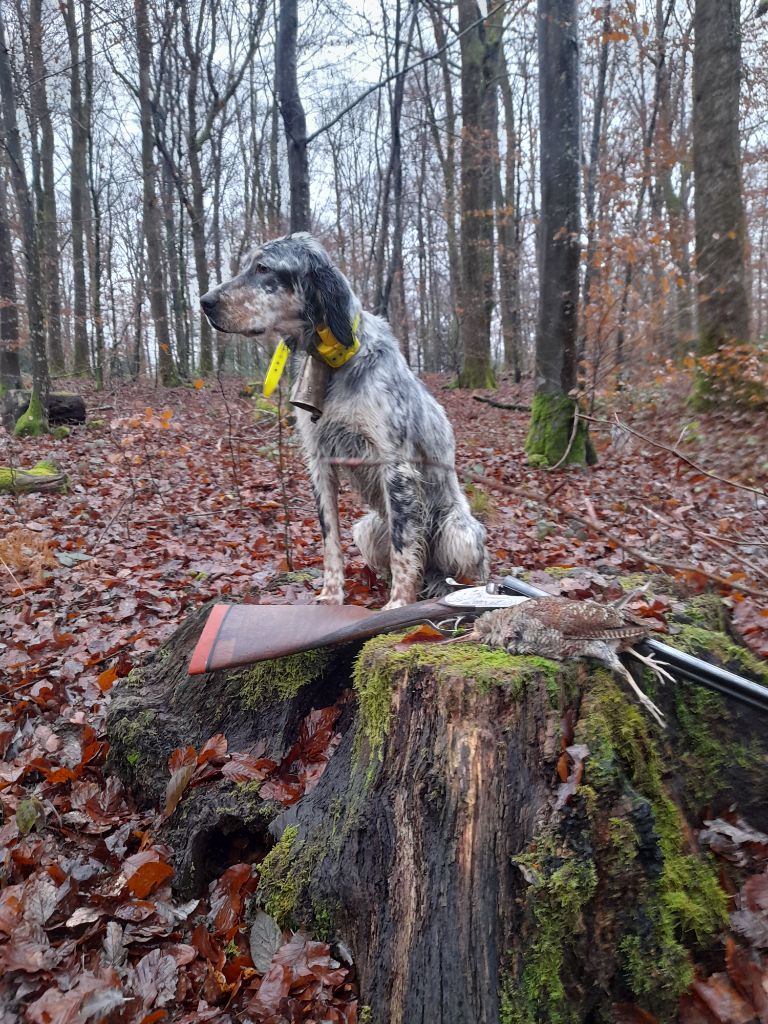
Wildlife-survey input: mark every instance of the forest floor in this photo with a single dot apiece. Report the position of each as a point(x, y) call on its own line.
point(179, 496)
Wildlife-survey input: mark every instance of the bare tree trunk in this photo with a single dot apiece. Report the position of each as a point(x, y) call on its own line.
point(157, 298)
point(93, 218)
point(479, 63)
point(292, 110)
point(10, 373)
point(591, 186)
point(386, 270)
point(507, 245)
point(77, 191)
point(720, 226)
point(35, 418)
point(47, 206)
point(445, 147)
point(197, 207)
point(551, 439)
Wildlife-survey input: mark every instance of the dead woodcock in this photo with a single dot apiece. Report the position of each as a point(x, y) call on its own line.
point(559, 628)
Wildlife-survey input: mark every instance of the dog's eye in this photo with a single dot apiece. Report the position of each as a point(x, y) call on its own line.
point(260, 268)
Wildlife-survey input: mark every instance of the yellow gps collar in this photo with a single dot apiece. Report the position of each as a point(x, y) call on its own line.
point(276, 367)
point(329, 349)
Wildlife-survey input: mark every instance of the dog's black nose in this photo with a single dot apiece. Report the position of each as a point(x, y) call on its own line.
point(208, 302)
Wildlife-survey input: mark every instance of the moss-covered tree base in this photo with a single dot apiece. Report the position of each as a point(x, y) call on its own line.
point(476, 375)
point(551, 441)
point(439, 845)
point(33, 421)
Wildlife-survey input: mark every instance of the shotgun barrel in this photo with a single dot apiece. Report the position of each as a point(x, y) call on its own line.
point(682, 665)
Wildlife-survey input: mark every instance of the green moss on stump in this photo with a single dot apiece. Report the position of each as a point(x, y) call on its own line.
point(282, 677)
point(132, 731)
point(706, 611)
point(550, 432)
point(698, 641)
point(379, 665)
point(284, 875)
point(679, 905)
point(684, 906)
point(558, 904)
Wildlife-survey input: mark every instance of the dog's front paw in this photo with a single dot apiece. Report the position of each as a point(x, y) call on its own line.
point(327, 596)
point(395, 603)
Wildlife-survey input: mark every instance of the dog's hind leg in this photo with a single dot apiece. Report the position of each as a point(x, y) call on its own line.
point(325, 486)
point(406, 517)
point(371, 534)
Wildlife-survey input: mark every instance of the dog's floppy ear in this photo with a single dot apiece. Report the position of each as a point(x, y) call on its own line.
point(328, 301)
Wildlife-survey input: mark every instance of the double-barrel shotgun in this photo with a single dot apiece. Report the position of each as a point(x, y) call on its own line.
point(242, 634)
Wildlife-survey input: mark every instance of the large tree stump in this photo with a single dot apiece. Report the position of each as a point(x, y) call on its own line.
point(440, 844)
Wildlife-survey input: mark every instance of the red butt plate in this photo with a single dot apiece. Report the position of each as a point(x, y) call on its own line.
point(204, 649)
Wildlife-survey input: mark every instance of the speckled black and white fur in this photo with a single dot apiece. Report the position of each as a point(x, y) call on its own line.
point(376, 411)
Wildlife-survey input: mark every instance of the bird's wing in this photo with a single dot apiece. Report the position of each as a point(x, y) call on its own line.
point(585, 620)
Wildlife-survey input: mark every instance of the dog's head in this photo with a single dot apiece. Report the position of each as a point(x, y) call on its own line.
point(288, 288)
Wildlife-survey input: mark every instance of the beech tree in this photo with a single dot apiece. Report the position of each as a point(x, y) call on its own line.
point(720, 225)
point(77, 188)
point(158, 300)
point(292, 111)
point(10, 373)
point(45, 188)
point(556, 434)
point(480, 42)
point(34, 420)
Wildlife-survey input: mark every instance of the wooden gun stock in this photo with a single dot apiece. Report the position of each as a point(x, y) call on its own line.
point(241, 634)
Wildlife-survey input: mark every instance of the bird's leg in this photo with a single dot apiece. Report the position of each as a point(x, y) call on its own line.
point(655, 666)
point(624, 600)
point(644, 699)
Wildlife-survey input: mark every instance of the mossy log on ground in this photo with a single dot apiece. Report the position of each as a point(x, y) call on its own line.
point(43, 476)
point(439, 845)
point(63, 407)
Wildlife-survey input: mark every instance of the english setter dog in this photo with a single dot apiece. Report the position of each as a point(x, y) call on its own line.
point(379, 426)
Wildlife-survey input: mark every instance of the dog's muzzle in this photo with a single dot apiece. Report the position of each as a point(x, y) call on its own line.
point(209, 304)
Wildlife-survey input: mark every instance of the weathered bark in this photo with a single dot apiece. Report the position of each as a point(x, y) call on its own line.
point(438, 844)
point(29, 232)
point(152, 219)
point(49, 241)
point(10, 372)
point(77, 184)
point(720, 225)
point(479, 68)
point(292, 110)
point(551, 440)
